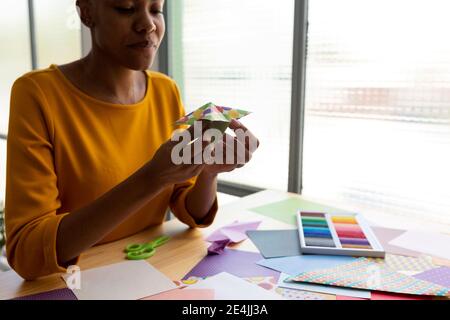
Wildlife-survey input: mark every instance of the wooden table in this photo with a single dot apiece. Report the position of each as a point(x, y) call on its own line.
point(176, 258)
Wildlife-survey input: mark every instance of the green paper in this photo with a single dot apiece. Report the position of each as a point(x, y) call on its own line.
point(286, 210)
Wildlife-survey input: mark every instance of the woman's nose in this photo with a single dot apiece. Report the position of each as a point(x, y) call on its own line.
point(145, 23)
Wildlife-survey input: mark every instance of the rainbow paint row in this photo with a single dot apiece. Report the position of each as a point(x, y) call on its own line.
point(337, 234)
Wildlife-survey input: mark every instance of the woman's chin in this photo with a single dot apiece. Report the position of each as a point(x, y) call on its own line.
point(140, 64)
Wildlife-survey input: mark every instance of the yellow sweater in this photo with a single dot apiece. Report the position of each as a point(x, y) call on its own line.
point(65, 149)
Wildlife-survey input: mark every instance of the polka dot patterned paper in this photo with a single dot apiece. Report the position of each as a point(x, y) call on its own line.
point(212, 112)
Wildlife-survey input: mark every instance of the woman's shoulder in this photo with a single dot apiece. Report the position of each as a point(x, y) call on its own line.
point(37, 78)
point(161, 79)
point(159, 76)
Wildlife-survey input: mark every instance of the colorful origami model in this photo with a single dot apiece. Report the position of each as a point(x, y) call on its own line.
point(219, 117)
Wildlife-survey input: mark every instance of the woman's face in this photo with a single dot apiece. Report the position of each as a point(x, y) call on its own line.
point(128, 31)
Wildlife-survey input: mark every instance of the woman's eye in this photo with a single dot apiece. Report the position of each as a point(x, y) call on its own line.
point(156, 11)
point(125, 10)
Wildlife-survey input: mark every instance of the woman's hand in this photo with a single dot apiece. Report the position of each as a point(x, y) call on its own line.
point(163, 168)
point(234, 152)
point(238, 150)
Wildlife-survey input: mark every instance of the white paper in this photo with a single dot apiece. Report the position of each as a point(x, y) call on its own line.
point(128, 280)
point(229, 287)
point(435, 244)
point(348, 292)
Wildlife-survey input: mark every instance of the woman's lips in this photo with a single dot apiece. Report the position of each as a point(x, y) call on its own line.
point(144, 45)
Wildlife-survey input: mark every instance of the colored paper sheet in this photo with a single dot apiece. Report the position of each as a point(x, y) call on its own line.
point(276, 243)
point(291, 294)
point(387, 296)
point(435, 244)
point(385, 235)
point(217, 247)
point(366, 274)
point(440, 276)
point(270, 283)
point(128, 280)
point(184, 294)
point(212, 112)
point(235, 232)
point(297, 264)
point(230, 287)
point(403, 263)
point(357, 293)
point(59, 294)
point(236, 262)
point(286, 210)
point(231, 233)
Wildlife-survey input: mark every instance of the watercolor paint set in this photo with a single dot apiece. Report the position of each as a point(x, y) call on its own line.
point(337, 234)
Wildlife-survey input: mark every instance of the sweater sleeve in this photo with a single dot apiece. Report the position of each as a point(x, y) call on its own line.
point(32, 197)
point(180, 191)
point(179, 209)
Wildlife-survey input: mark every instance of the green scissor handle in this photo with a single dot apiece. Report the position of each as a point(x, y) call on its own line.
point(141, 255)
point(146, 250)
point(160, 241)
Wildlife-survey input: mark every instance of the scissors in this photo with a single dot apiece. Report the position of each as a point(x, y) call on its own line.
point(146, 250)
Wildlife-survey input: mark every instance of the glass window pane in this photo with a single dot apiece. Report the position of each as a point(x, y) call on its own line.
point(2, 170)
point(58, 35)
point(377, 125)
point(15, 55)
point(240, 58)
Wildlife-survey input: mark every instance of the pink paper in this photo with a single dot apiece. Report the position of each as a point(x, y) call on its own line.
point(235, 232)
point(184, 294)
point(375, 295)
point(385, 235)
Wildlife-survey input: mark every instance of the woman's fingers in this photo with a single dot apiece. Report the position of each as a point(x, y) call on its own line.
point(231, 151)
point(193, 150)
point(187, 171)
point(242, 154)
point(251, 142)
point(197, 149)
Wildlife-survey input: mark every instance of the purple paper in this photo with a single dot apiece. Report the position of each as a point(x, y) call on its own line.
point(59, 294)
point(440, 276)
point(239, 263)
point(217, 247)
point(235, 232)
point(385, 235)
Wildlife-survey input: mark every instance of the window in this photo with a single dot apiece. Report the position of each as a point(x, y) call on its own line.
point(58, 32)
point(15, 60)
point(57, 39)
point(15, 54)
point(240, 58)
point(2, 171)
point(377, 123)
point(377, 105)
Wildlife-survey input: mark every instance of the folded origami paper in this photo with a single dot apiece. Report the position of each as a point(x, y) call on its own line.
point(219, 117)
point(231, 233)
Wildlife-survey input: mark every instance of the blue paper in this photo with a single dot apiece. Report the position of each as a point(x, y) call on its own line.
point(304, 263)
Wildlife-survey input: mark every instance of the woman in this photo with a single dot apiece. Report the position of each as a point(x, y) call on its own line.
point(89, 146)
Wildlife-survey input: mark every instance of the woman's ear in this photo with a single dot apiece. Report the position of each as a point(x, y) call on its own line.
point(85, 11)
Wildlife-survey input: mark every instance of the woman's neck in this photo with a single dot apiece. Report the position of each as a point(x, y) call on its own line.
point(109, 79)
